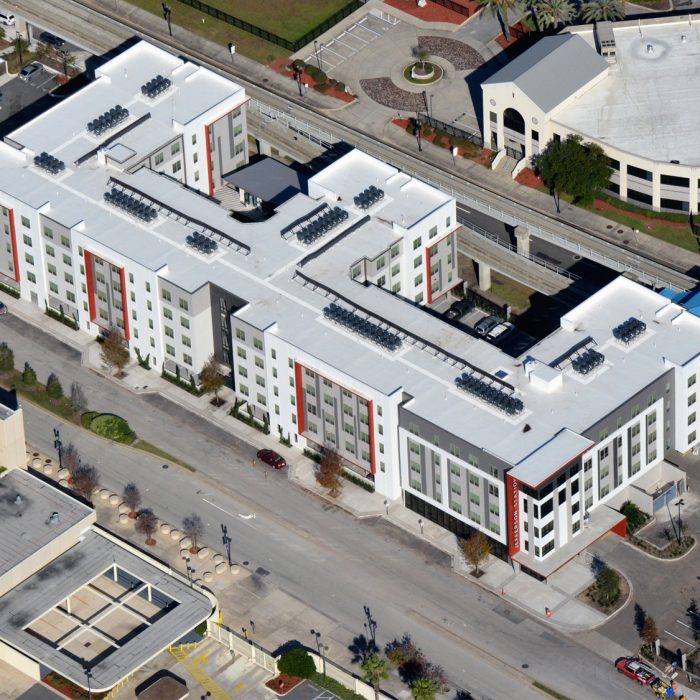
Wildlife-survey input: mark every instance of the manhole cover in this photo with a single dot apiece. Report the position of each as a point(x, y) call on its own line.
point(626, 241)
point(620, 230)
point(245, 563)
point(165, 466)
point(261, 572)
point(264, 80)
point(524, 665)
point(609, 226)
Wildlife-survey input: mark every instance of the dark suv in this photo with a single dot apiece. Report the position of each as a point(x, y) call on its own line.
point(51, 39)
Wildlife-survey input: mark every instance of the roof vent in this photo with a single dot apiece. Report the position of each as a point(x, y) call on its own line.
point(650, 48)
point(53, 519)
point(18, 500)
point(684, 39)
point(606, 41)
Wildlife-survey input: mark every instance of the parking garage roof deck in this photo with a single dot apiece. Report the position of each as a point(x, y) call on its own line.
point(647, 103)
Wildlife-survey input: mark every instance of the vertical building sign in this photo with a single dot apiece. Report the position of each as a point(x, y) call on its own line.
point(513, 500)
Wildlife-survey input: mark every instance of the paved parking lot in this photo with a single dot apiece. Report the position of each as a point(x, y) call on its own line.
point(310, 691)
point(21, 101)
point(351, 40)
point(514, 344)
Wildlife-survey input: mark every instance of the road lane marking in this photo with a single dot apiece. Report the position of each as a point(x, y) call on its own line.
point(670, 634)
point(223, 510)
point(684, 625)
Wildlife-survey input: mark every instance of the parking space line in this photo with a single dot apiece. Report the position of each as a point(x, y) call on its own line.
point(670, 634)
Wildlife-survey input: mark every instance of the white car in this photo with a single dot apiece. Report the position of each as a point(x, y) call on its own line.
point(7, 18)
point(500, 331)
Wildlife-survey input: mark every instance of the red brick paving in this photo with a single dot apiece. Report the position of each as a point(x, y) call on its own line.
point(433, 12)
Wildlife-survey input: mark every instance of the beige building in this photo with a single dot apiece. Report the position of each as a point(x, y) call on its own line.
point(632, 87)
point(12, 450)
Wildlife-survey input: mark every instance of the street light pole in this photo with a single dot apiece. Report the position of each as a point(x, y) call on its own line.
point(19, 48)
point(58, 445)
point(318, 55)
point(227, 542)
point(680, 503)
point(167, 11)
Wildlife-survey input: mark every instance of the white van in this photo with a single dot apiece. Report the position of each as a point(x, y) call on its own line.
point(7, 18)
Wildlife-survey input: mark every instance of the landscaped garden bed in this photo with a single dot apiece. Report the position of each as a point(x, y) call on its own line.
point(282, 683)
point(608, 593)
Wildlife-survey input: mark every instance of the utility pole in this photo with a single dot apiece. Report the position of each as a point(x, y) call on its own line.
point(680, 503)
point(298, 73)
point(19, 48)
point(318, 55)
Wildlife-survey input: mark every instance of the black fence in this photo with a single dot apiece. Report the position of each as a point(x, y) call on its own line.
point(449, 129)
point(455, 7)
point(274, 38)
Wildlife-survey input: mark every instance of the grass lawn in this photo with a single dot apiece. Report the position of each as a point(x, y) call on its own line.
point(290, 19)
point(37, 394)
point(512, 292)
point(664, 230)
point(217, 31)
point(152, 449)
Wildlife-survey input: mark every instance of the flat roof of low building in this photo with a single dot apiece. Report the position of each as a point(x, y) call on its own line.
point(27, 523)
point(268, 179)
point(112, 641)
point(647, 104)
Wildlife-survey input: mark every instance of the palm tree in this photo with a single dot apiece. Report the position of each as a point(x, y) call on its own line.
point(375, 670)
point(553, 13)
point(424, 689)
point(499, 8)
point(603, 10)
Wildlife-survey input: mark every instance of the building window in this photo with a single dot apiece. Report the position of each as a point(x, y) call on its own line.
point(187, 359)
point(48, 232)
point(242, 371)
point(175, 148)
point(186, 341)
point(240, 334)
point(184, 305)
point(416, 244)
point(257, 344)
point(25, 222)
point(691, 437)
point(433, 232)
point(168, 314)
point(177, 166)
point(166, 295)
point(158, 159)
point(53, 287)
point(29, 258)
point(184, 322)
point(51, 268)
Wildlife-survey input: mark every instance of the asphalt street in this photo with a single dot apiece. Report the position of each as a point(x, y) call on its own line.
point(313, 550)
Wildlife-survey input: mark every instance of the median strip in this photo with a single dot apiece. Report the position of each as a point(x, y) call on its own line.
point(549, 691)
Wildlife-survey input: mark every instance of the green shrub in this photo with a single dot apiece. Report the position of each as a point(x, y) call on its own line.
point(54, 390)
point(7, 358)
point(297, 662)
point(28, 375)
point(335, 687)
point(635, 517)
point(86, 419)
point(322, 87)
point(339, 85)
point(10, 290)
point(112, 427)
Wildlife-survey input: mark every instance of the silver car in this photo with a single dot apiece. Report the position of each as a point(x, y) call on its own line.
point(30, 70)
point(486, 324)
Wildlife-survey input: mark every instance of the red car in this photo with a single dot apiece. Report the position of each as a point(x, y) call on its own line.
point(634, 668)
point(272, 458)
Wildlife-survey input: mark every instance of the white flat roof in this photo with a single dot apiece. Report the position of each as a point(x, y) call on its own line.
point(648, 103)
point(406, 200)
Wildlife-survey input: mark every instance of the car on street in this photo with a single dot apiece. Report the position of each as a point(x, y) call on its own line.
point(7, 18)
point(635, 669)
point(500, 331)
point(483, 326)
point(51, 39)
point(3, 309)
point(458, 309)
point(272, 458)
point(30, 70)
point(661, 688)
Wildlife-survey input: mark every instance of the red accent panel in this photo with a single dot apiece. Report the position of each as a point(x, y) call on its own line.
point(301, 423)
point(89, 274)
point(372, 458)
point(513, 511)
point(13, 236)
point(621, 528)
point(428, 281)
point(122, 277)
point(207, 139)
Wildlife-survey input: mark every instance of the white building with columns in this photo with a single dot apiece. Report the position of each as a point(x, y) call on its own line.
point(631, 87)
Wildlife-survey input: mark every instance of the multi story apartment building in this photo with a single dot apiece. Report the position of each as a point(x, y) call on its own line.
point(316, 311)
